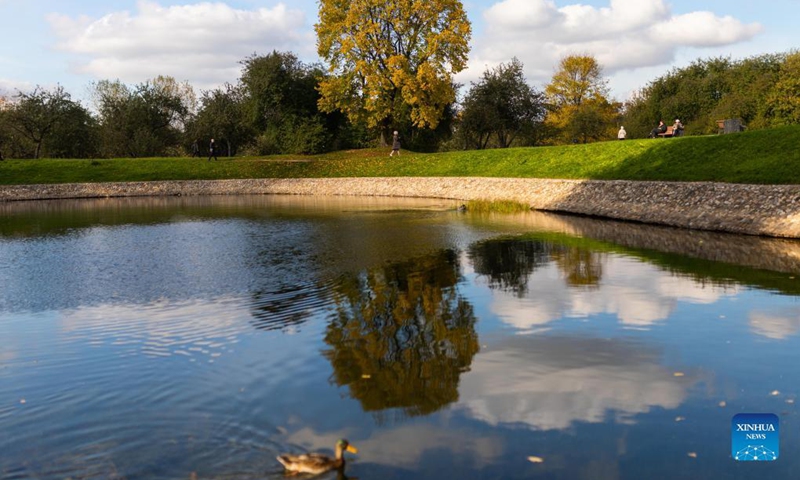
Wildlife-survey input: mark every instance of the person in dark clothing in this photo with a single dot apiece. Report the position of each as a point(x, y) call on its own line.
point(395, 144)
point(196, 148)
point(661, 128)
point(212, 150)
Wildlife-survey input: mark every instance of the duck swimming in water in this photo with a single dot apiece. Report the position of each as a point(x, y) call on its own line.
point(316, 463)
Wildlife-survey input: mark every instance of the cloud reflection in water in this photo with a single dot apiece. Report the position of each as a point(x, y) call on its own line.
point(551, 382)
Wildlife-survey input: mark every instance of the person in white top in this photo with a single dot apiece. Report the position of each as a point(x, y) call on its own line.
point(677, 128)
point(621, 135)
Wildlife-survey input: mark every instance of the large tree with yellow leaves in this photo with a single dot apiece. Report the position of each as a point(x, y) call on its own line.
point(580, 109)
point(391, 61)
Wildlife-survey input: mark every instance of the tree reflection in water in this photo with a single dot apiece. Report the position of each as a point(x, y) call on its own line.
point(581, 267)
point(402, 334)
point(509, 263)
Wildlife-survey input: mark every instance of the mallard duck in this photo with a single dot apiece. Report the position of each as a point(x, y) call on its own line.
point(316, 463)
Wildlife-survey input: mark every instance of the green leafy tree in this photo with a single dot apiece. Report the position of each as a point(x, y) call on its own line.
point(222, 116)
point(783, 100)
point(144, 120)
point(391, 60)
point(502, 106)
point(5, 127)
point(279, 85)
point(75, 136)
point(709, 90)
point(35, 116)
point(280, 100)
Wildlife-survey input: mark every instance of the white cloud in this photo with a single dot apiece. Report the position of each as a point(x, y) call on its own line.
point(626, 35)
point(703, 29)
point(201, 42)
point(9, 88)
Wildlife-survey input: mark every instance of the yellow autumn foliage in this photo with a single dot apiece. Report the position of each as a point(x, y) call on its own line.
point(388, 56)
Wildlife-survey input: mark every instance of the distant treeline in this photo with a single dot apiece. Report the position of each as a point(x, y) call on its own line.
point(274, 108)
point(761, 91)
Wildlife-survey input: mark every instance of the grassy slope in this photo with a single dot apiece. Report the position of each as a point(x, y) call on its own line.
point(766, 156)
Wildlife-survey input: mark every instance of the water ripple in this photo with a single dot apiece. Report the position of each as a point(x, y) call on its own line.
point(289, 306)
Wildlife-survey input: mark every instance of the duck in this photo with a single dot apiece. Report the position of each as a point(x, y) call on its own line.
point(315, 463)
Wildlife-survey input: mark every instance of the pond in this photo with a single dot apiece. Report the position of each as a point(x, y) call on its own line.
point(182, 338)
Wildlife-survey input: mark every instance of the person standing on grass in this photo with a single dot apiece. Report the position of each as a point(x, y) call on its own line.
point(212, 150)
point(196, 148)
point(622, 133)
point(395, 144)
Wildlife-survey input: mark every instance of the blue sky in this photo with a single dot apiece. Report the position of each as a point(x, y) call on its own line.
point(47, 42)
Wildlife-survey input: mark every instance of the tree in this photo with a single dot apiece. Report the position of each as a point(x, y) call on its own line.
point(222, 116)
point(578, 101)
point(784, 97)
point(501, 104)
point(5, 126)
point(578, 80)
point(581, 267)
point(591, 121)
point(177, 99)
point(278, 85)
point(143, 120)
point(709, 90)
point(391, 59)
point(36, 114)
point(280, 95)
point(75, 136)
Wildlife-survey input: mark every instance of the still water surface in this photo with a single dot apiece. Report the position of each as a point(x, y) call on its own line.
point(174, 338)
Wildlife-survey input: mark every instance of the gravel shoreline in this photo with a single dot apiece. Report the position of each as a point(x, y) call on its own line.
point(770, 210)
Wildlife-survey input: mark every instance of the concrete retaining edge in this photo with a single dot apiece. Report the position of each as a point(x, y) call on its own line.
point(770, 210)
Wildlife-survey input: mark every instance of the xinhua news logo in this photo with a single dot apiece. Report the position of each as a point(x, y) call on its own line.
point(755, 437)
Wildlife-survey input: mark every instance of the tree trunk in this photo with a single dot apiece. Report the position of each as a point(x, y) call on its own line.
point(229, 147)
point(385, 126)
point(38, 149)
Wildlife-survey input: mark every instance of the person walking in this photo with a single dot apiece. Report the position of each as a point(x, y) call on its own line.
point(395, 144)
point(212, 150)
point(622, 133)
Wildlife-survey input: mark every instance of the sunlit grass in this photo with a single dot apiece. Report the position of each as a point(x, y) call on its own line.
point(496, 206)
point(765, 156)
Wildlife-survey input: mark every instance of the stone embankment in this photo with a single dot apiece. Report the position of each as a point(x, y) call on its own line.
point(772, 210)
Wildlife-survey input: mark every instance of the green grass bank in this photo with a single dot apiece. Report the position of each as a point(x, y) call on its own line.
point(760, 157)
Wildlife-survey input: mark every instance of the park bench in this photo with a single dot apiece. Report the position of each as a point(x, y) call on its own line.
point(730, 125)
point(668, 133)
